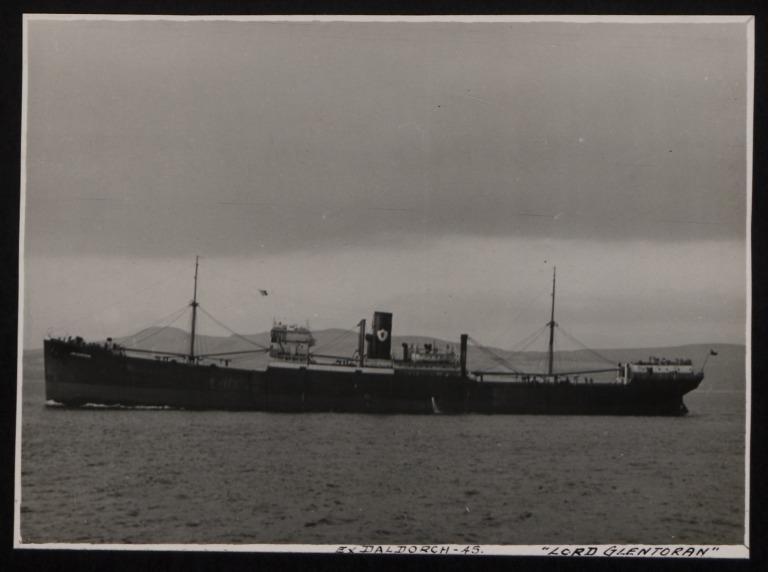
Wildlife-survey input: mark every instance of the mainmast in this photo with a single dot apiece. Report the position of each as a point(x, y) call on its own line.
point(194, 317)
point(552, 324)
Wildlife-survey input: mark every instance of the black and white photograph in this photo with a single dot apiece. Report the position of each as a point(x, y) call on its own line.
point(462, 285)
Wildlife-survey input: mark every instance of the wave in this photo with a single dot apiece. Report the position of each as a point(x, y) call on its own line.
point(56, 404)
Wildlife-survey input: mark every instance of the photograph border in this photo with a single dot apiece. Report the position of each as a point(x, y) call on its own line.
point(725, 551)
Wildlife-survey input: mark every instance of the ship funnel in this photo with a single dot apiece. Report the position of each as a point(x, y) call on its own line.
point(380, 340)
point(361, 344)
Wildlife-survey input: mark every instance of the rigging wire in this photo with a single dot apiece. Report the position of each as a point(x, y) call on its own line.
point(341, 336)
point(91, 314)
point(173, 315)
point(531, 303)
point(541, 362)
point(201, 345)
point(526, 342)
point(242, 358)
point(530, 340)
point(494, 356)
point(138, 339)
point(584, 347)
point(231, 331)
point(523, 345)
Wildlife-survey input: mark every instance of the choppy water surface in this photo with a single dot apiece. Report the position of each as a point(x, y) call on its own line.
point(147, 476)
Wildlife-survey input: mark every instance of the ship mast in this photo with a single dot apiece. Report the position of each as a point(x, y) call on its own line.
point(551, 325)
point(194, 317)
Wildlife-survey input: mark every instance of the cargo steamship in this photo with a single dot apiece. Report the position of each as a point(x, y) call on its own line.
point(421, 379)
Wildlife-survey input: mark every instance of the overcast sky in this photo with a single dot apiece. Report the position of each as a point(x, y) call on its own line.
point(437, 170)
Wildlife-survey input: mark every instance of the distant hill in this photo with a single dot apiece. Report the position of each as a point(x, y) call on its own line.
point(724, 372)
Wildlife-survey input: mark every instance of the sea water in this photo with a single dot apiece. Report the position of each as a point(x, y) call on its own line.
point(171, 476)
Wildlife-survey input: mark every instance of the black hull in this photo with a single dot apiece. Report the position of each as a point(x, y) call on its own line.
point(76, 375)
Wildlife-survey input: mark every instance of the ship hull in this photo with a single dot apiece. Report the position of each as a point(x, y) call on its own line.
point(77, 375)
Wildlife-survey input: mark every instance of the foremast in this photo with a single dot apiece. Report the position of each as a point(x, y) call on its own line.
point(194, 305)
point(551, 324)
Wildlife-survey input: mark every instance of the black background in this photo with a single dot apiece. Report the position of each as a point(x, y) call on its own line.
point(10, 145)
